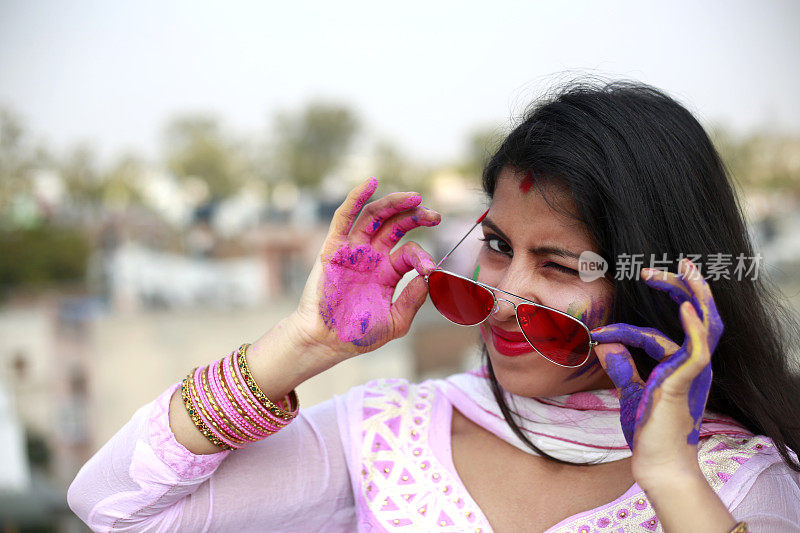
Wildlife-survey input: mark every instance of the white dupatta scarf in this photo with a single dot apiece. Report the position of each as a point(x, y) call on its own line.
point(579, 427)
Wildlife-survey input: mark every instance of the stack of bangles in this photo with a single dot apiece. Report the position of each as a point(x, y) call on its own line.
point(227, 406)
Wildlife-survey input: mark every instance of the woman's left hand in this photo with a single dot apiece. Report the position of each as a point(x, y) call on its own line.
point(661, 418)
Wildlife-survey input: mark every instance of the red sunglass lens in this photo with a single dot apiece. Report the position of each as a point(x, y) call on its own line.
point(560, 338)
point(459, 300)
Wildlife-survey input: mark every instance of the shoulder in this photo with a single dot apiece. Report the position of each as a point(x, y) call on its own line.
point(753, 481)
point(724, 458)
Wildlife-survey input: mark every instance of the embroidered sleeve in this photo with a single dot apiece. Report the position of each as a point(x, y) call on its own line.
point(143, 479)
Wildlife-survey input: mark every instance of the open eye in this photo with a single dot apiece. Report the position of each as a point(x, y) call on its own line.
point(496, 244)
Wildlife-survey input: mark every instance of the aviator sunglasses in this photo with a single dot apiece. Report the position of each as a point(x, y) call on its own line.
point(558, 337)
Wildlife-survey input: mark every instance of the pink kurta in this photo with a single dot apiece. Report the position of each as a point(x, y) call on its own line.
point(375, 459)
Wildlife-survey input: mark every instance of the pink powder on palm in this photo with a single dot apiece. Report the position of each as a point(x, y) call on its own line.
point(354, 303)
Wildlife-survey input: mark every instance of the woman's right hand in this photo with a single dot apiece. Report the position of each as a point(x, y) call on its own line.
point(346, 306)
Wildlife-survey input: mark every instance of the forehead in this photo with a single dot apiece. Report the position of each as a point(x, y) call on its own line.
point(522, 209)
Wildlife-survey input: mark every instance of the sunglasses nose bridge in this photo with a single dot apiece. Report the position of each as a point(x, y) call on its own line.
point(496, 307)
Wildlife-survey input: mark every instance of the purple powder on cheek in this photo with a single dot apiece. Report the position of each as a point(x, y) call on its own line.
point(589, 368)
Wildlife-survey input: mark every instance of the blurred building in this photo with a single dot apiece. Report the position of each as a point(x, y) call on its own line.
point(44, 358)
point(15, 473)
point(140, 277)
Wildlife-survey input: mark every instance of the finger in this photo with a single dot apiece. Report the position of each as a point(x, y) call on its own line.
point(668, 282)
point(345, 214)
point(618, 363)
point(697, 353)
point(705, 301)
point(393, 229)
point(411, 256)
point(692, 377)
point(407, 304)
point(653, 342)
point(375, 213)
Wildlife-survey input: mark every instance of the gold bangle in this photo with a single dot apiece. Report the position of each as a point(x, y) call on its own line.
point(741, 527)
point(198, 422)
point(203, 413)
point(279, 423)
point(230, 430)
point(291, 398)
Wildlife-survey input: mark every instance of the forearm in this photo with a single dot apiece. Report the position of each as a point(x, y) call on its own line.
point(279, 361)
point(139, 475)
point(686, 502)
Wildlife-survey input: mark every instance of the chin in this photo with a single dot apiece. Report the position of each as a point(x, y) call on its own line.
point(531, 375)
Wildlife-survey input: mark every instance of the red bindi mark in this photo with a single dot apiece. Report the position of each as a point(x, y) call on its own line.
point(525, 184)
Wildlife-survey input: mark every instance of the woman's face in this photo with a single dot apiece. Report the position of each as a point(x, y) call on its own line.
point(520, 221)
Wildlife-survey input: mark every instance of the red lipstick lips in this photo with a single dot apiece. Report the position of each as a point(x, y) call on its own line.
point(510, 343)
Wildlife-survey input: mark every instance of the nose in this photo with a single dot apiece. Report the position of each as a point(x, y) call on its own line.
point(503, 309)
point(516, 279)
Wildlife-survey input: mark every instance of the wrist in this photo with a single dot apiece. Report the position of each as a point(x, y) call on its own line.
point(284, 357)
point(670, 477)
point(684, 501)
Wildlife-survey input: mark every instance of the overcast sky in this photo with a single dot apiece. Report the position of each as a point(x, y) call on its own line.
point(420, 73)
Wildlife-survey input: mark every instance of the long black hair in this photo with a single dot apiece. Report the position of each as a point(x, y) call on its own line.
point(647, 180)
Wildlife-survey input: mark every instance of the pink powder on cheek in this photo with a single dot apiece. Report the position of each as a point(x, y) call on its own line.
point(354, 304)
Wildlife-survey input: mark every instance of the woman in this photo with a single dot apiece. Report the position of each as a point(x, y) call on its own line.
point(589, 412)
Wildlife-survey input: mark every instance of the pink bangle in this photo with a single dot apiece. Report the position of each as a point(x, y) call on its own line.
point(228, 408)
point(253, 418)
point(217, 399)
point(251, 406)
point(278, 420)
point(217, 425)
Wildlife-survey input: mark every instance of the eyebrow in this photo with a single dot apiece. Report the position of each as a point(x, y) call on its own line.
point(536, 250)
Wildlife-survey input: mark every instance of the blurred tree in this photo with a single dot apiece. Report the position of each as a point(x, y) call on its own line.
point(196, 147)
point(41, 256)
point(15, 162)
point(312, 142)
point(481, 144)
point(396, 172)
point(81, 177)
point(765, 161)
point(120, 185)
